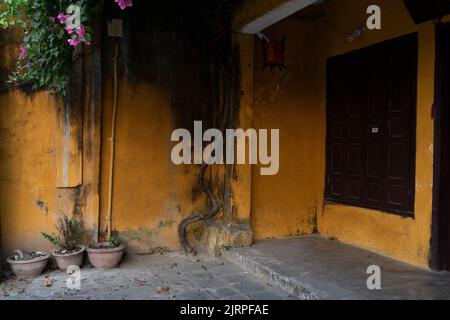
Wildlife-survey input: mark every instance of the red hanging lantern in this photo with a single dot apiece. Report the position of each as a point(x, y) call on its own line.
point(274, 54)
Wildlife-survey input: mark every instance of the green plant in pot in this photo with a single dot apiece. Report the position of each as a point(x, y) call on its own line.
point(107, 255)
point(69, 251)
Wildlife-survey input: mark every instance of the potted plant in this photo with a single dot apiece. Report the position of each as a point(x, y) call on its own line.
point(69, 251)
point(28, 264)
point(107, 255)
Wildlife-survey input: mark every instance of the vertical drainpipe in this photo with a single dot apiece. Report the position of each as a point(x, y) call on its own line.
point(113, 139)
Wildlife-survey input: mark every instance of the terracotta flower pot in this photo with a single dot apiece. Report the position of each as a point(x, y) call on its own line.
point(102, 256)
point(28, 268)
point(64, 261)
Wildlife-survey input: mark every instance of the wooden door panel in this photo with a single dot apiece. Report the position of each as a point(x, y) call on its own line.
point(371, 101)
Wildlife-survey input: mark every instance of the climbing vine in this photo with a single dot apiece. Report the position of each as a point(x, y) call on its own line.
point(52, 30)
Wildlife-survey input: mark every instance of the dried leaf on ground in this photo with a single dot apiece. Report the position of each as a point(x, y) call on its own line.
point(163, 290)
point(48, 282)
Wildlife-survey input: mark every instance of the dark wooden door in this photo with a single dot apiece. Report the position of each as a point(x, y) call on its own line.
point(371, 110)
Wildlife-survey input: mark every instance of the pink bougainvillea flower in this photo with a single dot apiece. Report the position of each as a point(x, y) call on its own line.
point(52, 19)
point(23, 53)
point(81, 32)
point(63, 18)
point(74, 42)
point(52, 30)
point(124, 3)
point(69, 30)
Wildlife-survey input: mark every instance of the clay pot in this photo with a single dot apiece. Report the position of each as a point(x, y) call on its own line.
point(64, 261)
point(103, 256)
point(25, 269)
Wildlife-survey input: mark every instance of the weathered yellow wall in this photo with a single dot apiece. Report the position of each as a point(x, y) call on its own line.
point(164, 85)
point(151, 195)
point(286, 203)
point(31, 157)
point(27, 174)
point(404, 239)
point(27, 160)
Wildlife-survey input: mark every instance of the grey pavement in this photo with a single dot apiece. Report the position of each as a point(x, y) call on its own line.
point(294, 268)
point(170, 276)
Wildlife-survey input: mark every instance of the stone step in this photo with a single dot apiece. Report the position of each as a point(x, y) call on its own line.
point(326, 269)
point(269, 275)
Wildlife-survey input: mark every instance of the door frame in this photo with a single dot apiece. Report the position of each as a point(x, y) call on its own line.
point(440, 240)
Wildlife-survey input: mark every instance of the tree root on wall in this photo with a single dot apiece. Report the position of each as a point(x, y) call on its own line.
point(214, 204)
point(213, 201)
point(212, 212)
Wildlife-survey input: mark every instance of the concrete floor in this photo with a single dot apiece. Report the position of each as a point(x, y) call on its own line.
point(318, 268)
point(170, 276)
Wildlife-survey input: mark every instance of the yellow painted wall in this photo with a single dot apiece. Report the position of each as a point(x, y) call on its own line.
point(27, 161)
point(27, 175)
point(151, 195)
point(286, 203)
point(163, 86)
point(31, 156)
